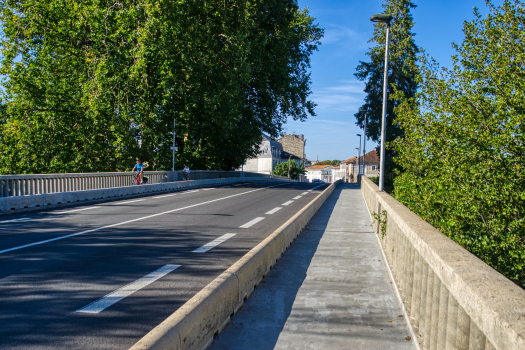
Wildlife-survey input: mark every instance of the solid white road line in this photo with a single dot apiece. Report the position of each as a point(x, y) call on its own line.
point(274, 210)
point(6, 221)
point(166, 195)
point(287, 203)
point(116, 296)
point(119, 203)
point(309, 191)
point(206, 189)
point(129, 221)
point(72, 211)
point(318, 186)
point(251, 223)
point(297, 197)
point(213, 243)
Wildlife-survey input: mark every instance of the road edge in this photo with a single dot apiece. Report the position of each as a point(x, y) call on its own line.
point(195, 324)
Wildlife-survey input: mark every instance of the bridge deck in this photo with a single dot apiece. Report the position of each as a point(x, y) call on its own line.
point(331, 290)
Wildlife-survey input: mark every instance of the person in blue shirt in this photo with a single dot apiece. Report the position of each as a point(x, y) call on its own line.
point(139, 168)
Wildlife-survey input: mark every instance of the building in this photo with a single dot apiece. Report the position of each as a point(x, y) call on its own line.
point(371, 165)
point(319, 172)
point(294, 144)
point(270, 154)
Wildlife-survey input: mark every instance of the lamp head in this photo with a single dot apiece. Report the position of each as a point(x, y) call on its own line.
point(382, 18)
point(359, 135)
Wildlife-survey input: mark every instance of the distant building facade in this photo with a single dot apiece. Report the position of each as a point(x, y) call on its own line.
point(370, 169)
point(294, 145)
point(270, 154)
point(319, 172)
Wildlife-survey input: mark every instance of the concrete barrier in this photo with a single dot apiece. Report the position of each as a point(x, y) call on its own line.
point(193, 325)
point(9, 205)
point(453, 299)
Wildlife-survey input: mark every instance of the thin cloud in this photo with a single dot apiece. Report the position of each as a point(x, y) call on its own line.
point(346, 97)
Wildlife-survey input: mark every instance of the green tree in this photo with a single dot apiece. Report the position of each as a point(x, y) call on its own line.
point(402, 74)
point(91, 85)
point(463, 153)
point(295, 170)
point(329, 162)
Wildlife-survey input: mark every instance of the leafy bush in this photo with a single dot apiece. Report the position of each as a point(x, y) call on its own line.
point(295, 170)
point(463, 155)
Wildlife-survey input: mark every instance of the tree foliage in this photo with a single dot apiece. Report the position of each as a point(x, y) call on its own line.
point(329, 162)
point(463, 153)
point(295, 170)
point(90, 85)
point(402, 74)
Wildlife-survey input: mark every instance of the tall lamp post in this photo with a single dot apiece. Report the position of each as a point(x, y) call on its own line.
point(358, 156)
point(364, 148)
point(383, 18)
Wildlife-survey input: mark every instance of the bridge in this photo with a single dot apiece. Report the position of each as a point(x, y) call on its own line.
point(237, 261)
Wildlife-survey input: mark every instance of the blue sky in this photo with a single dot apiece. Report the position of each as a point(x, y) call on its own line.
point(332, 133)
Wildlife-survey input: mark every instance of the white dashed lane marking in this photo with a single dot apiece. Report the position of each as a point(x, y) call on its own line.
point(287, 203)
point(72, 211)
point(166, 195)
point(120, 203)
point(304, 193)
point(116, 296)
point(6, 221)
point(297, 197)
point(251, 223)
point(274, 210)
point(214, 243)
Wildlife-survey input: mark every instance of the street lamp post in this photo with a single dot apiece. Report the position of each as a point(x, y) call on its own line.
point(383, 18)
point(359, 156)
point(364, 149)
point(357, 165)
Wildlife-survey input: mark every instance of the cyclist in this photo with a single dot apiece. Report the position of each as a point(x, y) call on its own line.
point(139, 168)
point(186, 172)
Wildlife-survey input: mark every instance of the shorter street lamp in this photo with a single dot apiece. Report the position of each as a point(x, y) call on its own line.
point(383, 18)
point(358, 156)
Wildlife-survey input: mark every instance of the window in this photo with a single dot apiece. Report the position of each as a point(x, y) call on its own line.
point(373, 167)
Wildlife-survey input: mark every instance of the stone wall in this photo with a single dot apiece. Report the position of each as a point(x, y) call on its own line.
point(453, 299)
point(293, 144)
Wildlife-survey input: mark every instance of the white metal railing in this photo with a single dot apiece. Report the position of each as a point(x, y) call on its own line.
point(27, 185)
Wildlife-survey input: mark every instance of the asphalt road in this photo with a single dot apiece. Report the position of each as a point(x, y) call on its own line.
point(101, 276)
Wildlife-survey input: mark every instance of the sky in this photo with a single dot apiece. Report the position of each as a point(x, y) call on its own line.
point(331, 134)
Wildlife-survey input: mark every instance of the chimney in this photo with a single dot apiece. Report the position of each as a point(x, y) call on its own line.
point(284, 134)
point(301, 137)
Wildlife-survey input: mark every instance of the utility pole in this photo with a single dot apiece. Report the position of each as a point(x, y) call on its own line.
point(289, 158)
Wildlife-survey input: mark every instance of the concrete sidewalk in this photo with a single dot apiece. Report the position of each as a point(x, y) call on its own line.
point(331, 289)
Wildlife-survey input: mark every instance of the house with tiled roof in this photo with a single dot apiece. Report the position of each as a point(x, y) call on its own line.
point(319, 172)
point(370, 169)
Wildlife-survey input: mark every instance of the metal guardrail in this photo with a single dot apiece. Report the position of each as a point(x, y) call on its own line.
point(34, 184)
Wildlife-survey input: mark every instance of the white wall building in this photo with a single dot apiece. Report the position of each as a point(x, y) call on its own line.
point(270, 153)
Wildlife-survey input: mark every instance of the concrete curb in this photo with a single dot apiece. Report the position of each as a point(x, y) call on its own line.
point(194, 325)
point(11, 205)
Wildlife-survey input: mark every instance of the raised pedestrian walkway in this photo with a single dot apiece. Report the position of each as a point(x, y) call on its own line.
point(331, 290)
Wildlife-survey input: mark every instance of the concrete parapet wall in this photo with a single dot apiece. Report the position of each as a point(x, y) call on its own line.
point(453, 299)
point(10, 205)
point(193, 325)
